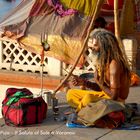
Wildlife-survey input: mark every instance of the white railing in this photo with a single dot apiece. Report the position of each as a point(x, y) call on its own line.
point(12, 57)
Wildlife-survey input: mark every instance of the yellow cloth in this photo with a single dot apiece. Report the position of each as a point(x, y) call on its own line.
point(66, 53)
point(84, 6)
point(78, 98)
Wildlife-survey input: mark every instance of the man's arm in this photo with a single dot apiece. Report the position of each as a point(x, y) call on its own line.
point(92, 85)
point(115, 71)
point(78, 81)
point(114, 89)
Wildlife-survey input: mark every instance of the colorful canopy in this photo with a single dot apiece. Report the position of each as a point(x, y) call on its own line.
point(64, 23)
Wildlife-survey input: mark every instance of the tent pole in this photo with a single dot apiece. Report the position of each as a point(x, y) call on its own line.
point(117, 29)
point(116, 23)
point(82, 50)
point(122, 16)
point(116, 19)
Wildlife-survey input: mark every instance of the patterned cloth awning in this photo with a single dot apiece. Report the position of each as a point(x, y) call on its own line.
point(64, 22)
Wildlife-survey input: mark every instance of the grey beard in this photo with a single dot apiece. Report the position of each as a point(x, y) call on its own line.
point(97, 54)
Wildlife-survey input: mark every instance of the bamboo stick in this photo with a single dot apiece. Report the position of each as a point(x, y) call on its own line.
point(117, 29)
point(116, 19)
point(116, 23)
point(122, 16)
point(82, 50)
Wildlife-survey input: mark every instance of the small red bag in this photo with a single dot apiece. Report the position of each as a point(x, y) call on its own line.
point(25, 111)
point(111, 120)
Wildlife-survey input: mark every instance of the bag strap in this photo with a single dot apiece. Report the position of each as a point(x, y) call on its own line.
point(42, 68)
point(25, 109)
point(7, 121)
point(43, 39)
point(18, 95)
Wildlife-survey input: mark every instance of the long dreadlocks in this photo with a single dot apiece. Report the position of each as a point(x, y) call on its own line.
point(109, 50)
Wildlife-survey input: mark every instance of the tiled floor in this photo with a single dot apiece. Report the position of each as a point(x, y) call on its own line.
point(55, 130)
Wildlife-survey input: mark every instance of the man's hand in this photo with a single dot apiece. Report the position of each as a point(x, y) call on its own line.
point(96, 76)
point(76, 81)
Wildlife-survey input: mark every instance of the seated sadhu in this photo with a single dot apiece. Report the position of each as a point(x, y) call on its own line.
point(112, 77)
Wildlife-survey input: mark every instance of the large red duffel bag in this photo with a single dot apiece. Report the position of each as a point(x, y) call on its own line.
point(19, 108)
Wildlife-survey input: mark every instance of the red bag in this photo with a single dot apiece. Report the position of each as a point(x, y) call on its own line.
point(25, 111)
point(111, 120)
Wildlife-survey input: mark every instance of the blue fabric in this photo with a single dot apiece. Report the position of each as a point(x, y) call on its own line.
point(71, 123)
point(74, 125)
point(131, 127)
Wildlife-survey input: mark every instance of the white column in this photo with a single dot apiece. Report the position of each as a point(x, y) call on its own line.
point(130, 47)
point(1, 58)
point(54, 67)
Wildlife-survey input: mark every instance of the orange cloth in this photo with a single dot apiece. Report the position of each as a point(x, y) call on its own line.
point(135, 79)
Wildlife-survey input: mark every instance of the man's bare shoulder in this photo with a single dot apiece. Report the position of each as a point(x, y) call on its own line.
point(114, 67)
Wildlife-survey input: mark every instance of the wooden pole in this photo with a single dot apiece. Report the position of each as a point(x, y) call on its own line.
point(82, 50)
point(117, 29)
point(122, 16)
point(116, 19)
point(117, 23)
